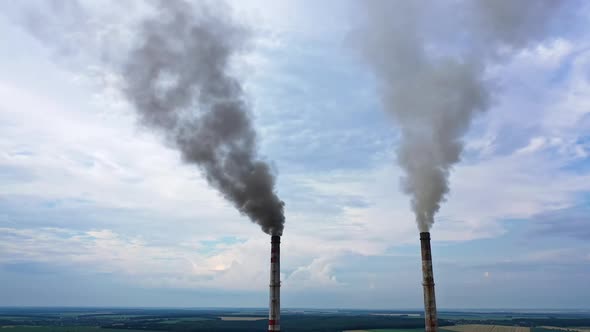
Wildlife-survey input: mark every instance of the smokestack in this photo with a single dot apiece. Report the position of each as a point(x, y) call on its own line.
point(274, 313)
point(431, 324)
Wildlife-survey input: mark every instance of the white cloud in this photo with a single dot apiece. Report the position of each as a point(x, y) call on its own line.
point(318, 274)
point(81, 141)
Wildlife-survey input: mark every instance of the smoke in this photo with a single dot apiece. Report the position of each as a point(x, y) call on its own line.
point(430, 59)
point(177, 77)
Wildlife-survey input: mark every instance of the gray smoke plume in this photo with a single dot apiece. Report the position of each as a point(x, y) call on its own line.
point(177, 78)
point(429, 58)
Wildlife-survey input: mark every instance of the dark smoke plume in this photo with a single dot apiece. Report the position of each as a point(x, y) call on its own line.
point(177, 78)
point(430, 59)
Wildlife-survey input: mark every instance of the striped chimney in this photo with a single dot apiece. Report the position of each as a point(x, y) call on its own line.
point(274, 314)
point(431, 324)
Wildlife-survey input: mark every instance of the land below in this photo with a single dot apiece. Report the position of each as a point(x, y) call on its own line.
point(296, 320)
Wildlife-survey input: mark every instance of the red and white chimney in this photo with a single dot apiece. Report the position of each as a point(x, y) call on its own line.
point(431, 324)
point(274, 314)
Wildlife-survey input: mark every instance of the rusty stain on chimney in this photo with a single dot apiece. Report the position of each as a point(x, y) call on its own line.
point(431, 324)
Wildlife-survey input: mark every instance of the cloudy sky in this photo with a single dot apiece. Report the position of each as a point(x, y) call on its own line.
point(96, 210)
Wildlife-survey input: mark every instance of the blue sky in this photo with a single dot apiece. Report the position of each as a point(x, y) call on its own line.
point(95, 210)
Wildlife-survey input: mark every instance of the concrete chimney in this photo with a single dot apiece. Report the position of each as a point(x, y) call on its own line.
point(431, 324)
point(274, 314)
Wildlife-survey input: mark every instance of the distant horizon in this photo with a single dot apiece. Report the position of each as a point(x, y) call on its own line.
point(129, 176)
point(413, 310)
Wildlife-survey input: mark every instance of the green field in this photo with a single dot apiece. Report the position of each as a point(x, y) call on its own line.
point(61, 329)
point(187, 319)
point(294, 320)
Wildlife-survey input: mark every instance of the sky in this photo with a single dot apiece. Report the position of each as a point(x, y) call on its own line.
point(96, 210)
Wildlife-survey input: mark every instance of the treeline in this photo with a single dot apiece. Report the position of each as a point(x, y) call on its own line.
point(294, 323)
point(529, 322)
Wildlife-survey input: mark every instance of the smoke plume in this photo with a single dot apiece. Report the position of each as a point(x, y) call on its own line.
point(429, 58)
point(178, 80)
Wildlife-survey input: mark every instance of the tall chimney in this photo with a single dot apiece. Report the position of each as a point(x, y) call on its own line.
point(431, 324)
point(274, 314)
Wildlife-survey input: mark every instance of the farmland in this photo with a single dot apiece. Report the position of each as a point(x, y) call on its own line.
point(387, 330)
point(292, 320)
point(568, 329)
point(486, 328)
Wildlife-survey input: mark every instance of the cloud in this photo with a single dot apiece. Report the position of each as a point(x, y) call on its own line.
point(573, 222)
point(182, 265)
point(318, 274)
point(82, 190)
